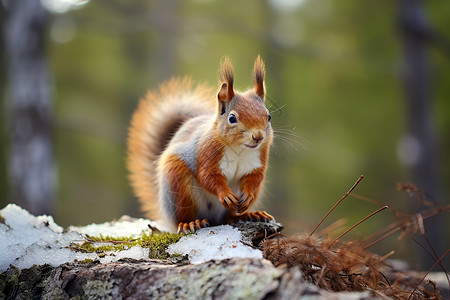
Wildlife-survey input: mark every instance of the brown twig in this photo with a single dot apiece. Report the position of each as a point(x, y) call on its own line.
point(337, 203)
point(372, 214)
point(435, 264)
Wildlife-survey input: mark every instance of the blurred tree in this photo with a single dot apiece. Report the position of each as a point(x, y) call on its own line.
point(3, 75)
point(421, 148)
point(272, 51)
point(166, 17)
point(30, 161)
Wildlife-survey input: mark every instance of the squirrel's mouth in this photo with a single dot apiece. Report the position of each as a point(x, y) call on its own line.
point(251, 146)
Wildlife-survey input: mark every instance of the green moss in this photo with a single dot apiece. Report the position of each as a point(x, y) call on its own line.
point(158, 243)
point(155, 243)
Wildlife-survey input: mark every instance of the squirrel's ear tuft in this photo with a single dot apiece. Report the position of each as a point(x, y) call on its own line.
point(259, 72)
point(226, 73)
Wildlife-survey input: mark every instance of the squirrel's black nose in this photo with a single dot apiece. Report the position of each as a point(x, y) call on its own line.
point(257, 139)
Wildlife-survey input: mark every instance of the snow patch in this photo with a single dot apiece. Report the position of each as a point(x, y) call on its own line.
point(218, 242)
point(124, 227)
point(26, 240)
point(136, 252)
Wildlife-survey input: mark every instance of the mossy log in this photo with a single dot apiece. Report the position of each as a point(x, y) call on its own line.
point(237, 278)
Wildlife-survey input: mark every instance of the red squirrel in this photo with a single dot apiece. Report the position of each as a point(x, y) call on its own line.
point(195, 161)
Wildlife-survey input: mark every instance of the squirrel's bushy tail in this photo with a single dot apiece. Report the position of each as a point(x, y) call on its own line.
point(153, 124)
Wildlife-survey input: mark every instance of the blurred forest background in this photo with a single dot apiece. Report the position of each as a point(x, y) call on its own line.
point(363, 85)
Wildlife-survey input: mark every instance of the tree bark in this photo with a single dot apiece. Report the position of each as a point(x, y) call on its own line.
point(236, 278)
point(30, 165)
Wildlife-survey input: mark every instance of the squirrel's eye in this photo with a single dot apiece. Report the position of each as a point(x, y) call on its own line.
point(269, 118)
point(232, 119)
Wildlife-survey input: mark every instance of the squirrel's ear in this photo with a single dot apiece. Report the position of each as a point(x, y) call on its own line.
point(222, 96)
point(226, 73)
point(259, 72)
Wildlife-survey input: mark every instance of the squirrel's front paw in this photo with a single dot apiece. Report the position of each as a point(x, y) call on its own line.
point(245, 202)
point(229, 200)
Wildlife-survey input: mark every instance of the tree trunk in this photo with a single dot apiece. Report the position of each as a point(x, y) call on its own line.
point(30, 165)
point(3, 79)
point(416, 33)
point(166, 16)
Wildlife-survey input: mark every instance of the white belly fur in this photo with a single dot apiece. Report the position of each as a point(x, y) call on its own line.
point(237, 162)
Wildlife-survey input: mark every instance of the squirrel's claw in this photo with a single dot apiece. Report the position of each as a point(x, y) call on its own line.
point(245, 202)
point(192, 226)
point(229, 200)
point(263, 216)
point(257, 216)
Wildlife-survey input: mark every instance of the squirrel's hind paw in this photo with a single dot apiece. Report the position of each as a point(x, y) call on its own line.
point(192, 226)
point(257, 216)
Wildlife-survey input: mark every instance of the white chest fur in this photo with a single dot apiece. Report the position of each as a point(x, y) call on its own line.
point(238, 161)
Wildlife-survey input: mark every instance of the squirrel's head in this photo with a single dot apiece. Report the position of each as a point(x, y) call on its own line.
point(243, 119)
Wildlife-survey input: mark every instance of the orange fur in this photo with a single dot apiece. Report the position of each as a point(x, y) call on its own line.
point(177, 142)
point(227, 76)
point(255, 116)
point(259, 72)
point(180, 179)
point(209, 175)
point(153, 123)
